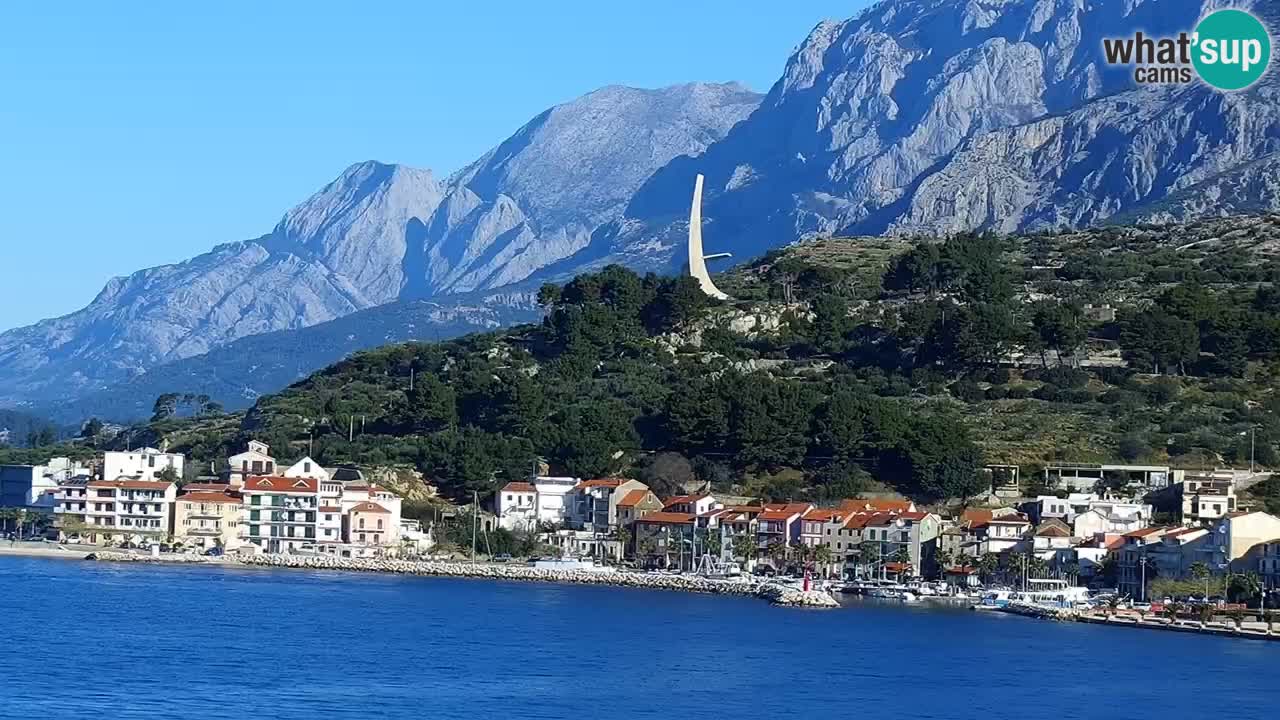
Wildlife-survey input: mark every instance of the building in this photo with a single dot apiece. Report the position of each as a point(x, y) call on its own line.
point(256, 460)
point(516, 506)
point(369, 523)
point(280, 514)
point(1264, 559)
point(36, 486)
point(692, 504)
point(136, 511)
point(1234, 535)
point(1111, 516)
point(1132, 562)
point(593, 504)
point(637, 504)
point(779, 525)
point(142, 464)
point(306, 468)
point(999, 533)
point(71, 506)
point(666, 539)
point(1049, 507)
point(1087, 477)
point(207, 520)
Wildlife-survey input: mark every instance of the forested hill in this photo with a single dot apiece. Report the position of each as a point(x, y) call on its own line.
point(841, 364)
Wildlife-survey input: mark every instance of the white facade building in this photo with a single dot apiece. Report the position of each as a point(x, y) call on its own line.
point(516, 506)
point(141, 464)
point(256, 460)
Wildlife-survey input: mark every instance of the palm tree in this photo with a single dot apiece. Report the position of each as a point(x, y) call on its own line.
point(1246, 586)
point(623, 536)
point(988, 564)
point(778, 552)
point(867, 549)
point(8, 515)
point(745, 547)
point(1200, 571)
point(942, 560)
point(822, 556)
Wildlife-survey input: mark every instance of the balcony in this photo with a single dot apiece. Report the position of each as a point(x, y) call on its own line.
point(203, 531)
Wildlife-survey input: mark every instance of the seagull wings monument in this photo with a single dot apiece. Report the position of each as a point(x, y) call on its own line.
point(697, 260)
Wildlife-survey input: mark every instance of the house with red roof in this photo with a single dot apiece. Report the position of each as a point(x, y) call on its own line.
point(636, 504)
point(129, 510)
point(667, 539)
point(593, 504)
point(206, 519)
point(279, 513)
point(779, 524)
point(692, 504)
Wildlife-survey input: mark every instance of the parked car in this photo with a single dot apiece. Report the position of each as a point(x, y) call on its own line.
point(213, 552)
point(504, 557)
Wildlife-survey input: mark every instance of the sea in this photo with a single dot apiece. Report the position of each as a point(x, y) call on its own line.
point(107, 641)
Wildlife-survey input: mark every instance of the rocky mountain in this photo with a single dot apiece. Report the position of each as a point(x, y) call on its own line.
point(916, 116)
point(377, 234)
point(934, 116)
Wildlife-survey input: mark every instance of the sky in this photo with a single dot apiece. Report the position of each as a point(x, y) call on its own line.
point(137, 134)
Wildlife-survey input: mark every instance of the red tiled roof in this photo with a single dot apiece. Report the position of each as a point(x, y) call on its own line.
point(825, 515)
point(667, 518)
point(131, 484)
point(330, 509)
point(274, 484)
point(961, 570)
point(1145, 532)
point(370, 507)
point(519, 487)
point(680, 499)
point(897, 567)
point(913, 515)
point(633, 498)
point(208, 497)
point(778, 514)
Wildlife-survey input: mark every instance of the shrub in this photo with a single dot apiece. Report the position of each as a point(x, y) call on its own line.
point(997, 393)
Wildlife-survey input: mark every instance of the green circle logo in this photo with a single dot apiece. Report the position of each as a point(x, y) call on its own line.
point(1232, 49)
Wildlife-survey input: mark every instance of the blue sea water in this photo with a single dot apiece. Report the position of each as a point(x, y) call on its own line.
point(85, 640)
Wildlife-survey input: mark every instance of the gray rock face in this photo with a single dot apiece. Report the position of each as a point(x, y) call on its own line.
point(379, 233)
point(934, 116)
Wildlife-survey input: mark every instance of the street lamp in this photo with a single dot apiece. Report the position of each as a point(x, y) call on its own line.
point(1142, 562)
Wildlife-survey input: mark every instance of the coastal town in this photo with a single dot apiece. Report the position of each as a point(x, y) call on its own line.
point(1133, 533)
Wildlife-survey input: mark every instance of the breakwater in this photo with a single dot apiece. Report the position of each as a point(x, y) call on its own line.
point(1223, 627)
point(774, 593)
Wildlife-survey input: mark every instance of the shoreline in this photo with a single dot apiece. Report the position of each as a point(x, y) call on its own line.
point(775, 594)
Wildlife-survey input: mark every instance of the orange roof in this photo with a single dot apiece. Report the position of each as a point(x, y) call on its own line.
point(1145, 532)
point(897, 566)
point(667, 518)
point(975, 517)
point(824, 515)
point(330, 509)
point(782, 514)
point(599, 482)
point(682, 499)
point(208, 497)
point(268, 483)
point(519, 487)
point(131, 484)
point(370, 507)
point(633, 498)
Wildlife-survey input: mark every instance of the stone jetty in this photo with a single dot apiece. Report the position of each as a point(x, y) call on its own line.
point(776, 594)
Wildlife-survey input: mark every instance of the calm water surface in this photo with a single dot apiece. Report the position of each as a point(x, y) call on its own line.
point(84, 640)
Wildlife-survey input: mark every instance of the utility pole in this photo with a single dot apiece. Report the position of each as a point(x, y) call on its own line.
point(1143, 563)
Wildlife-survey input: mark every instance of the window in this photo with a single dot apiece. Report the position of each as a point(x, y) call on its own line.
point(361, 523)
point(379, 523)
point(306, 467)
point(361, 537)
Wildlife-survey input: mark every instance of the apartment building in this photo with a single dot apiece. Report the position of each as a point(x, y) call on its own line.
point(280, 514)
point(369, 523)
point(125, 510)
point(256, 460)
point(205, 520)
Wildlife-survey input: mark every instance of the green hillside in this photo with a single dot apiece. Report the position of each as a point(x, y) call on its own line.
point(842, 364)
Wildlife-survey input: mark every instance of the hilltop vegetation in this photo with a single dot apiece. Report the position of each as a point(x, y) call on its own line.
point(842, 364)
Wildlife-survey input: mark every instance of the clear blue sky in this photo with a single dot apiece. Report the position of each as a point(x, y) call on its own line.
point(136, 134)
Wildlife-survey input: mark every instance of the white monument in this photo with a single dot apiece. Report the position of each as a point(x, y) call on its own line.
point(697, 260)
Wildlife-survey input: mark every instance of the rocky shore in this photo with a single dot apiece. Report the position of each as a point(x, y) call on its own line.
point(775, 594)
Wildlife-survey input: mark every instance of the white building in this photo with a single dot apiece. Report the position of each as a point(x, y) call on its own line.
point(142, 464)
point(516, 506)
point(1111, 517)
point(307, 468)
point(132, 510)
point(36, 486)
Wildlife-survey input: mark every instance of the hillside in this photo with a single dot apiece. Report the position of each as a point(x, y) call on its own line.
point(237, 374)
point(842, 364)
